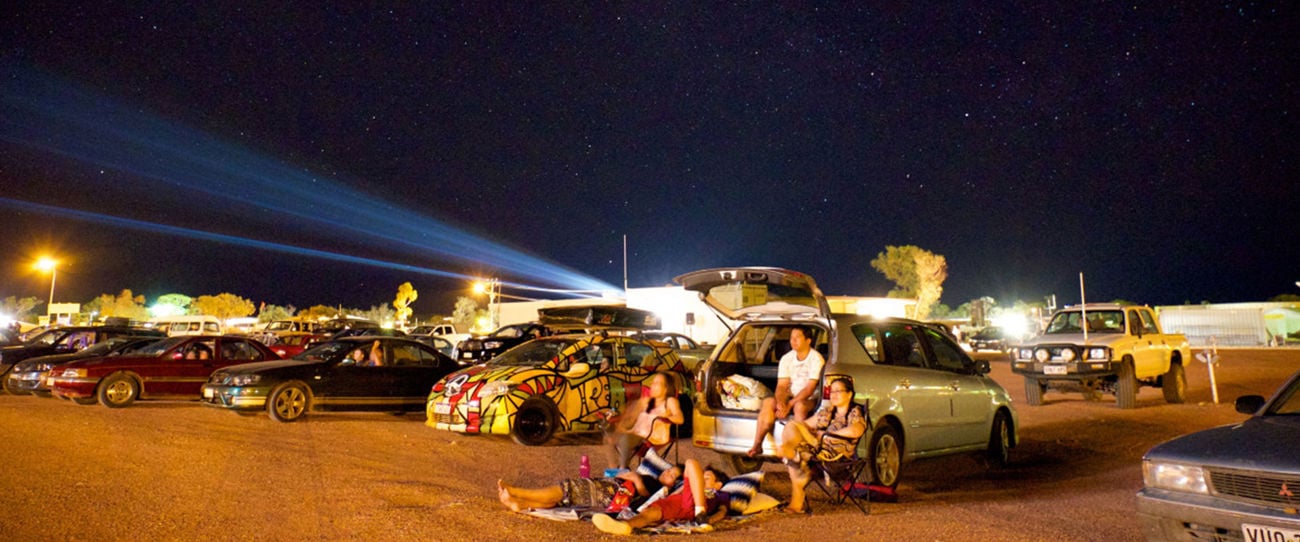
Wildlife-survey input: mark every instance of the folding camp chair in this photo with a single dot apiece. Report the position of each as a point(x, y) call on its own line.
point(663, 438)
point(840, 477)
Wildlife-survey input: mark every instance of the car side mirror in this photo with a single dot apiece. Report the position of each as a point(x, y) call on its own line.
point(577, 369)
point(1250, 404)
point(982, 367)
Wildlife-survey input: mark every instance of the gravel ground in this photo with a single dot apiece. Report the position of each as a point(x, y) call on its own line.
point(182, 471)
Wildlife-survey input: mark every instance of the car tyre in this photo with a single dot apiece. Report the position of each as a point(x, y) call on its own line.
point(999, 451)
point(1034, 389)
point(1174, 384)
point(13, 389)
point(743, 464)
point(1126, 385)
point(288, 402)
point(535, 422)
point(886, 459)
point(117, 391)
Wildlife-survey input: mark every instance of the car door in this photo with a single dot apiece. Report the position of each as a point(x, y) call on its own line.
point(969, 406)
point(183, 370)
point(353, 386)
point(1148, 349)
point(922, 392)
point(411, 372)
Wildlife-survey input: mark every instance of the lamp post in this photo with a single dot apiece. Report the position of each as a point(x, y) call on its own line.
point(51, 265)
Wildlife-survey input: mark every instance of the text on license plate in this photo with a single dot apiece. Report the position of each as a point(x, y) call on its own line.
point(1268, 533)
point(1053, 369)
point(442, 408)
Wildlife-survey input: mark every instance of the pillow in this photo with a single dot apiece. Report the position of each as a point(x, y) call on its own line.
point(652, 465)
point(742, 489)
point(760, 502)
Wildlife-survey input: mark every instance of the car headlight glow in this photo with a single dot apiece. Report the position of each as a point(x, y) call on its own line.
point(1067, 354)
point(74, 373)
point(245, 379)
point(1174, 476)
point(493, 389)
point(1097, 353)
point(1042, 354)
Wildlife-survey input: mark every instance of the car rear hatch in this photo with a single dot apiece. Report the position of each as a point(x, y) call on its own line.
point(751, 293)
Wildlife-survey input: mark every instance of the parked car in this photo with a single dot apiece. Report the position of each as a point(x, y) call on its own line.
point(691, 352)
point(31, 376)
point(1236, 482)
point(557, 383)
point(64, 340)
point(175, 367)
point(924, 395)
point(480, 348)
point(325, 377)
point(193, 324)
point(439, 343)
point(288, 344)
point(991, 338)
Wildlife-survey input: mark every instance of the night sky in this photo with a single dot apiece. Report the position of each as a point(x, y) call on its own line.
point(1152, 148)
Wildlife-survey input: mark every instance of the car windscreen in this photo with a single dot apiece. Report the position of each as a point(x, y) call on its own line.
point(1287, 402)
point(1100, 321)
point(47, 338)
point(531, 353)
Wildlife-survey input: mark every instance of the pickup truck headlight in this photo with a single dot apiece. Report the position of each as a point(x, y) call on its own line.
point(1174, 476)
point(1098, 354)
point(1067, 354)
point(1042, 355)
point(494, 389)
point(1025, 353)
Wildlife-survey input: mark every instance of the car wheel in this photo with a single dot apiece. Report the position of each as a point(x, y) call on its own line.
point(288, 402)
point(886, 459)
point(118, 390)
point(1126, 386)
point(1174, 384)
point(999, 452)
point(1034, 391)
point(13, 388)
point(535, 422)
point(743, 464)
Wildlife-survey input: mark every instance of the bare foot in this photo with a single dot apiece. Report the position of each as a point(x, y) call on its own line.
point(503, 494)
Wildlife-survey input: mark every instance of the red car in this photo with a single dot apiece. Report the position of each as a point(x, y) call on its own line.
point(171, 368)
point(291, 343)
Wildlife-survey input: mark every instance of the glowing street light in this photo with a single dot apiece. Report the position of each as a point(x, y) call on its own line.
point(491, 287)
point(51, 265)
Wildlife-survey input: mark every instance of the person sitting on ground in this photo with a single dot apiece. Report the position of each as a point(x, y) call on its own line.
point(593, 493)
point(699, 500)
point(637, 421)
point(841, 417)
point(796, 380)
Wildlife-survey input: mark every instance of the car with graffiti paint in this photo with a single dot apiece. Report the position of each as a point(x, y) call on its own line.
point(559, 383)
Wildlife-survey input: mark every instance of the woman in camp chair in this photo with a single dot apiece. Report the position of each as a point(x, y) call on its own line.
point(650, 417)
point(841, 417)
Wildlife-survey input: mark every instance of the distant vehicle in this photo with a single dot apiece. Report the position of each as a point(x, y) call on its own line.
point(304, 325)
point(32, 375)
point(439, 343)
point(1106, 348)
point(558, 383)
point(989, 339)
point(188, 325)
point(925, 396)
point(691, 352)
point(175, 367)
point(446, 331)
point(325, 377)
point(65, 340)
point(478, 349)
point(1236, 482)
point(291, 343)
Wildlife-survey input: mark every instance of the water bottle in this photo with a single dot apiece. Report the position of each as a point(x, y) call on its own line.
point(584, 468)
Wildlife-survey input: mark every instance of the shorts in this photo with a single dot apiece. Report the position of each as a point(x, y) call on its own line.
point(588, 492)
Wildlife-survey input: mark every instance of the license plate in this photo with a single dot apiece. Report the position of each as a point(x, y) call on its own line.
point(1266, 532)
point(207, 393)
point(1054, 369)
point(442, 408)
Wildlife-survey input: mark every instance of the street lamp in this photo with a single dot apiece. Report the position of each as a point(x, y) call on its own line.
point(51, 265)
point(491, 287)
